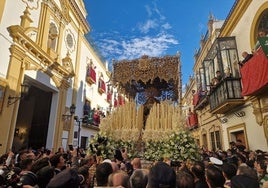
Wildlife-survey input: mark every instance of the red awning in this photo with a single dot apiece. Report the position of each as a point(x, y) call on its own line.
point(195, 99)
point(115, 102)
point(103, 86)
point(91, 73)
point(109, 96)
point(255, 73)
point(192, 121)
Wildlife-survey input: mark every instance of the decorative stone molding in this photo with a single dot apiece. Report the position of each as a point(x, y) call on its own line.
point(70, 41)
point(68, 64)
point(257, 110)
point(32, 4)
point(26, 19)
point(264, 103)
point(61, 15)
point(41, 60)
point(265, 127)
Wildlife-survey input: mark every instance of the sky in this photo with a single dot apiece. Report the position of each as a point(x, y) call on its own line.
point(128, 29)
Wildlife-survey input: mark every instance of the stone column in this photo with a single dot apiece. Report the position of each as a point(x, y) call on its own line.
point(61, 109)
point(15, 76)
point(76, 81)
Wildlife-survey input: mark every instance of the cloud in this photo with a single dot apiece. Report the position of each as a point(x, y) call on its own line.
point(149, 24)
point(148, 10)
point(135, 47)
point(155, 20)
point(150, 37)
point(166, 26)
point(157, 11)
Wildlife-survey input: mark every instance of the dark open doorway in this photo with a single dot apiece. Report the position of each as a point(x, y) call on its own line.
point(33, 120)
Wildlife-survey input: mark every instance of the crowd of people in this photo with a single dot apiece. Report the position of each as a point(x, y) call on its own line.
point(235, 168)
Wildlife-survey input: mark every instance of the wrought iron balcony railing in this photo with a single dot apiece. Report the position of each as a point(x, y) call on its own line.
point(225, 96)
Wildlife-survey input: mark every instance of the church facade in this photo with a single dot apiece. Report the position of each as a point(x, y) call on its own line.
point(45, 51)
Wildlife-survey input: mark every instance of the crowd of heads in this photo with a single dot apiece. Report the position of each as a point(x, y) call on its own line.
point(236, 168)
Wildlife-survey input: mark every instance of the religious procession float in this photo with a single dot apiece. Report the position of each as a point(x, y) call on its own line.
point(149, 124)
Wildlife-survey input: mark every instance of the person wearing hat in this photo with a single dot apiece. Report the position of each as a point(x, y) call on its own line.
point(28, 178)
point(216, 161)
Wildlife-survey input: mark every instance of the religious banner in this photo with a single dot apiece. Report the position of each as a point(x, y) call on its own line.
point(264, 44)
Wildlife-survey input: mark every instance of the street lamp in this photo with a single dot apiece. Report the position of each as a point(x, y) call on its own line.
point(24, 90)
point(72, 111)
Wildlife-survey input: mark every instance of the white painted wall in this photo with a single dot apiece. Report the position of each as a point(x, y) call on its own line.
point(254, 132)
point(5, 40)
point(243, 28)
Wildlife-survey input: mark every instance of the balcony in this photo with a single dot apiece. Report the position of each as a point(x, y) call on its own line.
point(91, 76)
point(109, 97)
point(226, 96)
point(200, 101)
point(255, 74)
point(102, 86)
point(90, 126)
point(192, 121)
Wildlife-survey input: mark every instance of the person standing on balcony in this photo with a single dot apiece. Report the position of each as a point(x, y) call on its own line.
point(219, 75)
point(246, 57)
point(227, 73)
point(87, 108)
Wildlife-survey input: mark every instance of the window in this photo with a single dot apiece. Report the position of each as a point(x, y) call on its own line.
point(75, 134)
point(215, 138)
point(222, 57)
point(209, 72)
point(218, 141)
point(213, 144)
point(263, 23)
point(202, 78)
point(197, 77)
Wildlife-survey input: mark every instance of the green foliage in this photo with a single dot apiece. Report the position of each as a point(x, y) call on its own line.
point(105, 146)
point(177, 146)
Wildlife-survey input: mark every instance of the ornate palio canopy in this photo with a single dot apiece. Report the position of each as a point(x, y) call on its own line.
point(156, 77)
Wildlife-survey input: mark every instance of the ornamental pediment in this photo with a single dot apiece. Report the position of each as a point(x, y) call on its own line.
point(40, 59)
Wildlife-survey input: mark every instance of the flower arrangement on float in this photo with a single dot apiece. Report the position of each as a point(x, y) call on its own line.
point(160, 138)
point(175, 145)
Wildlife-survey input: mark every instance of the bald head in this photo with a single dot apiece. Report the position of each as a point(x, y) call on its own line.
point(136, 163)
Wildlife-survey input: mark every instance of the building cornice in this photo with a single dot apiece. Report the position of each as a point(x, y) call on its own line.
point(235, 14)
point(79, 16)
point(94, 54)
